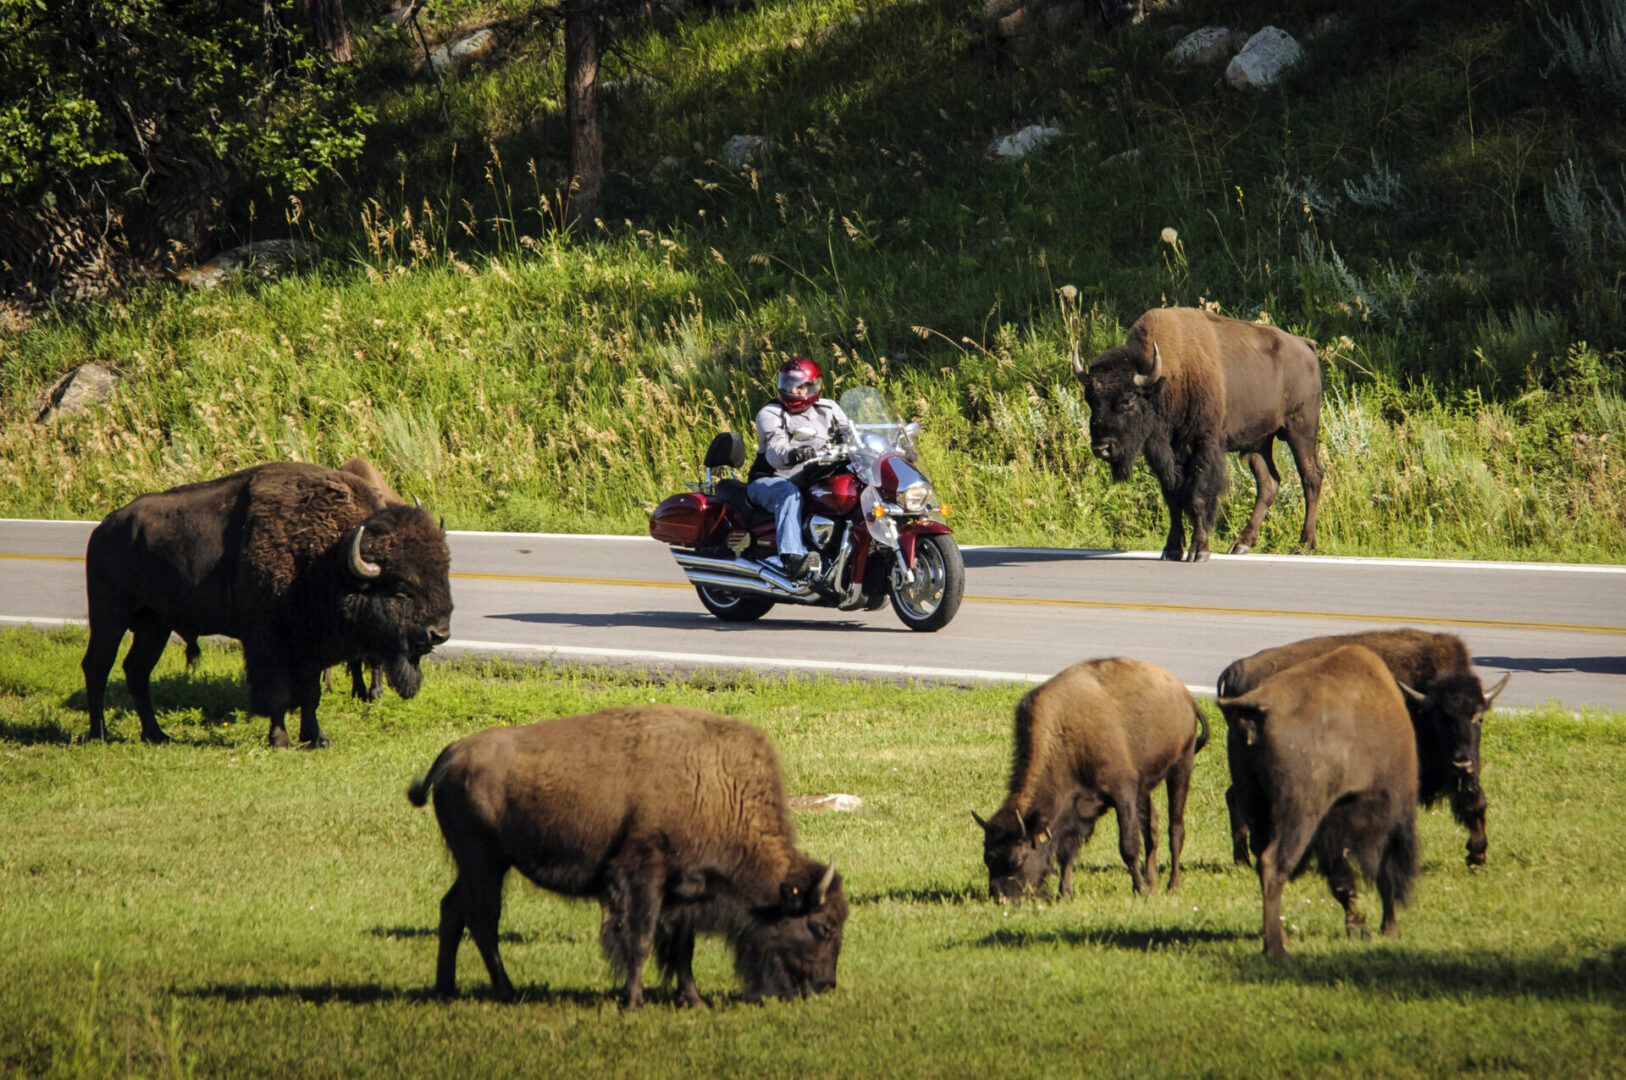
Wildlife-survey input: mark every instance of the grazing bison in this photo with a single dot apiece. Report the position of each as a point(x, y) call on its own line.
point(674, 819)
point(1323, 763)
point(1447, 705)
point(297, 562)
point(1186, 387)
point(1101, 733)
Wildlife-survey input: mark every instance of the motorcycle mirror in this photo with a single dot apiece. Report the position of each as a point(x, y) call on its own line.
point(804, 434)
point(911, 429)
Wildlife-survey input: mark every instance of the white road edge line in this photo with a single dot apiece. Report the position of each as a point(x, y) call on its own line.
point(1094, 553)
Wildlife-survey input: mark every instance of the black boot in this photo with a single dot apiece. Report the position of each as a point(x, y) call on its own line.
point(802, 566)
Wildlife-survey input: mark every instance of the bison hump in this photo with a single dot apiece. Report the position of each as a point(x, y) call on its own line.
point(293, 516)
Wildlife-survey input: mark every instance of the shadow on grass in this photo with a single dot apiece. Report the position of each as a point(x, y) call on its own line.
point(929, 895)
point(1111, 938)
point(1395, 972)
point(35, 734)
point(505, 937)
point(372, 993)
point(217, 698)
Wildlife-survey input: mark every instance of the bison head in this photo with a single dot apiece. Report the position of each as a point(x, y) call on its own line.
point(789, 949)
point(1018, 852)
point(396, 593)
point(1450, 716)
point(1123, 401)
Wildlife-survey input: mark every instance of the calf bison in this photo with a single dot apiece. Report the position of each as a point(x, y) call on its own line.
point(675, 820)
point(1186, 387)
point(301, 564)
point(1322, 759)
point(1447, 705)
point(1101, 733)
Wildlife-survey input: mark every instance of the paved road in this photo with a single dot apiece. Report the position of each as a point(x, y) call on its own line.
point(1028, 613)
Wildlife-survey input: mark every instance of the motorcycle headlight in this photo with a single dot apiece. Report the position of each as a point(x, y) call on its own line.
point(913, 499)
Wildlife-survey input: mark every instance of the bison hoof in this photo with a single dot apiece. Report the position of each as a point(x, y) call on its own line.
point(279, 739)
point(155, 737)
point(314, 744)
point(1239, 548)
point(1198, 556)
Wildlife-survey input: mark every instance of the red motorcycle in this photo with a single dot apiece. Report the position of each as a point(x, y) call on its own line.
point(867, 510)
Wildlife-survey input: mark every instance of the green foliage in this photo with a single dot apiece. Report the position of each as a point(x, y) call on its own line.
point(215, 908)
point(99, 90)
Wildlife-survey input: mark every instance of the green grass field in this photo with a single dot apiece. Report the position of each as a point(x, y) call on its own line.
point(216, 908)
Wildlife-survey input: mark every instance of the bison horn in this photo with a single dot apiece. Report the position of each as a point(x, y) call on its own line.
point(358, 565)
point(1415, 695)
point(1151, 378)
point(1078, 367)
point(978, 819)
point(417, 502)
point(1497, 689)
point(823, 885)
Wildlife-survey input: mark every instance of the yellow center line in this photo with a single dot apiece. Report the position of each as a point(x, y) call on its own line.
point(1039, 601)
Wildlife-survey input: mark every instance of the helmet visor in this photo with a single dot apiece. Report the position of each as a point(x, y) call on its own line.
point(796, 386)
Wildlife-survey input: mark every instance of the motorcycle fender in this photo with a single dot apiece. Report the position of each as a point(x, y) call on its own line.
point(908, 533)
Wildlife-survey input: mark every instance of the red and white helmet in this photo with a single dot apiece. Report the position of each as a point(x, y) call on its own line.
point(800, 383)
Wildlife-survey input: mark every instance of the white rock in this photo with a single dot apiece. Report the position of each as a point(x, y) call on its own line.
point(473, 47)
point(820, 803)
point(1203, 46)
point(84, 386)
point(1263, 59)
point(1024, 142)
point(741, 151)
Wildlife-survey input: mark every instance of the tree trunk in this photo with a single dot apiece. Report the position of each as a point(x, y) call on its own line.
point(326, 19)
point(583, 31)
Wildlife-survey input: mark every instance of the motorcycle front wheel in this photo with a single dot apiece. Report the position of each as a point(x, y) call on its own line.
point(732, 606)
point(932, 594)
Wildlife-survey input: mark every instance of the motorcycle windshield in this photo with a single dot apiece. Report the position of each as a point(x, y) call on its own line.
point(877, 428)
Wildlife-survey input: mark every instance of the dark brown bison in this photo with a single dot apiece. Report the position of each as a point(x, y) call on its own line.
point(296, 561)
point(1322, 759)
point(675, 820)
point(1104, 733)
point(1447, 705)
point(1186, 387)
point(386, 496)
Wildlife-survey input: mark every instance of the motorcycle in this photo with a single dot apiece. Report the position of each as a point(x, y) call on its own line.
point(866, 509)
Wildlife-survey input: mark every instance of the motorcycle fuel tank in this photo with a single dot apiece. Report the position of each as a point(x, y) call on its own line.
point(686, 519)
point(836, 494)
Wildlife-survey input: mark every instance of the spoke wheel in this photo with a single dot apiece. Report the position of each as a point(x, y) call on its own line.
point(733, 606)
point(931, 595)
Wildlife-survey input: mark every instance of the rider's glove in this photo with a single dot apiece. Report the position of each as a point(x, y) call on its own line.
point(800, 454)
point(841, 433)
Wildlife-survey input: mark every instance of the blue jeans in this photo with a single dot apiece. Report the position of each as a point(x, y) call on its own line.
point(784, 498)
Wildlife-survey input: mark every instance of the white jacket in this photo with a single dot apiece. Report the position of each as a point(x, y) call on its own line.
point(774, 425)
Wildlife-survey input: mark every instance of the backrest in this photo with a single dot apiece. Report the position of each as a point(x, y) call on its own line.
point(726, 449)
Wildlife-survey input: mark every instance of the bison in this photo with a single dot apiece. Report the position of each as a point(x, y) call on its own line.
point(1186, 387)
point(1323, 763)
point(1101, 733)
point(300, 563)
point(674, 819)
point(1446, 701)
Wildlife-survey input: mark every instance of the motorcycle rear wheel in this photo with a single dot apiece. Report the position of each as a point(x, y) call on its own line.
point(732, 606)
point(933, 594)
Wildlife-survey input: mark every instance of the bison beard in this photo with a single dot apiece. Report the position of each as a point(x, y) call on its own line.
point(307, 567)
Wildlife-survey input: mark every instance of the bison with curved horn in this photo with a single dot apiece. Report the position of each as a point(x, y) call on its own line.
point(304, 565)
point(1188, 386)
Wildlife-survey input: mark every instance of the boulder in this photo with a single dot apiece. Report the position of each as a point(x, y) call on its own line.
point(1022, 143)
point(264, 259)
point(1015, 24)
point(1205, 46)
point(740, 151)
point(822, 803)
point(86, 385)
point(477, 45)
point(1263, 59)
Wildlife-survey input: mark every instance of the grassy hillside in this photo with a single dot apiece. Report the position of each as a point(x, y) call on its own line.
point(1433, 194)
point(215, 908)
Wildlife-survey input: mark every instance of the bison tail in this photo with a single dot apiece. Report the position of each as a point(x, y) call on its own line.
point(1397, 869)
point(1202, 728)
point(418, 792)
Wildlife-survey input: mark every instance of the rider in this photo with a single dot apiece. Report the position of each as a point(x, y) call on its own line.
point(779, 473)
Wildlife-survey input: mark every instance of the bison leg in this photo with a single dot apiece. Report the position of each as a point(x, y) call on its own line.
point(1266, 483)
point(674, 949)
point(1278, 859)
point(1148, 836)
point(148, 638)
point(1174, 547)
point(1127, 806)
point(1206, 481)
point(106, 635)
point(1468, 806)
point(1340, 877)
point(1301, 439)
point(633, 910)
point(310, 695)
point(1066, 853)
point(475, 900)
point(1179, 786)
point(1239, 825)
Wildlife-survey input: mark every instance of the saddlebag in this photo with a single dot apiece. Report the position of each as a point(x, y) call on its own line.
point(686, 520)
